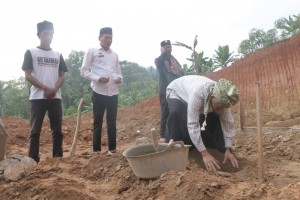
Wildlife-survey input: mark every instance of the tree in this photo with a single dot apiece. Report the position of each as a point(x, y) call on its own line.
point(223, 57)
point(187, 70)
point(139, 83)
point(271, 37)
point(15, 98)
point(258, 39)
point(202, 64)
point(289, 27)
point(75, 87)
point(254, 42)
point(198, 60)
point(208, 67)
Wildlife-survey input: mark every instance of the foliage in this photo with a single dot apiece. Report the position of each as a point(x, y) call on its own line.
point(188, 70)
point(222, 57)
point(139, 83)
point(254, 42)
point(200, 63)
point(258, 38)
point(14, 98)
point(208, 67)
point(288, 26)
point(271, 37)
point(75, 87)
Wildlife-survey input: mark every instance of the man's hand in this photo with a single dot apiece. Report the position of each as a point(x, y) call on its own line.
point(49, 93)
point(229, 156)
point(209, 161)
point(118, 80)
point(104, 79)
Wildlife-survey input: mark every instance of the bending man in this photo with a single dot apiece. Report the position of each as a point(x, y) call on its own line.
point(196, 100)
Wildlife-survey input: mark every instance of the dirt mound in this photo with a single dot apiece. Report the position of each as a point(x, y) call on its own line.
point(100, 176)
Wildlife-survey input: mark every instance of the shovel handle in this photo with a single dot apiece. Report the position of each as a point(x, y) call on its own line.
point(76, 135)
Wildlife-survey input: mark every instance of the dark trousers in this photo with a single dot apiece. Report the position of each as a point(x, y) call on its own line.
point(100, 104)
point(164, 113)
point(38, 110)
point(177, 129)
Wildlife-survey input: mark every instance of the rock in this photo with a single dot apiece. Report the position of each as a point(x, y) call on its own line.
point(178, 182)
point(287, 151)
point(5, 163)
point(28, 164)
point(286, 139)
point(118, 168)
point(17, 157)
point(14, 172)
point(16, 167)
point(224, 174)
point(215, 185)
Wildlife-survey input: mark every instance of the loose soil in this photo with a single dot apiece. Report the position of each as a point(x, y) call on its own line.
point(100, 176)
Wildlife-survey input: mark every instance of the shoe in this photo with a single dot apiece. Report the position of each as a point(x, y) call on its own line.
point(110, 153)
point(96, 153)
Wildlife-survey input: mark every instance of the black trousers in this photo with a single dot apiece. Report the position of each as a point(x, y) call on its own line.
point(38, 110)
point(177, 129)
point(164, 113)
point(100, 104)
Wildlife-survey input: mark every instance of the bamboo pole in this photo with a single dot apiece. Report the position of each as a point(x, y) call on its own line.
point(259, 135)
point(241, 115)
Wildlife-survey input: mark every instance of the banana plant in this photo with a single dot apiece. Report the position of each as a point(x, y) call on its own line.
point(223, 56)
point(289, 27)
point(198, 60)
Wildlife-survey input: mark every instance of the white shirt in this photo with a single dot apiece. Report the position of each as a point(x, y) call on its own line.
point(192, 91)
point(98, 63)
point(45, 68)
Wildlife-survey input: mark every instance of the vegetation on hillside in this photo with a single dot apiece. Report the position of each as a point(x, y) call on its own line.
point(139, 83)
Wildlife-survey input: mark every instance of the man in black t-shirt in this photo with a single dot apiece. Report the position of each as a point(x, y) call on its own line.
point(45, 69)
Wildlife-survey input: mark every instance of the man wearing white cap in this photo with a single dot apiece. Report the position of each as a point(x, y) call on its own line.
point(200, 115)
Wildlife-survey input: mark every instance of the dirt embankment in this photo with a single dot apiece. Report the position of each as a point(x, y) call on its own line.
point(277, 69)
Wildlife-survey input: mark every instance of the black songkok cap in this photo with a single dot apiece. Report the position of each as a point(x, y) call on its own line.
point(105, 30)
point(45, 25)
point(165, 43)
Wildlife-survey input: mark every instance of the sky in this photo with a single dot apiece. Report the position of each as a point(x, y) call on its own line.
point(138, 26)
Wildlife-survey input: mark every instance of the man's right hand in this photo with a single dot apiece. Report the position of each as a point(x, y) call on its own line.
point(104, 79)
point(49, 93)
point(209, 161)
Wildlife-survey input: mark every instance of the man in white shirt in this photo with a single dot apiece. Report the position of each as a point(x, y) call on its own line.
point(196, 100)
point(101, 66)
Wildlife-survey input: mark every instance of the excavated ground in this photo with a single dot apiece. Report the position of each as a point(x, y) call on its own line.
point(99, 176)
